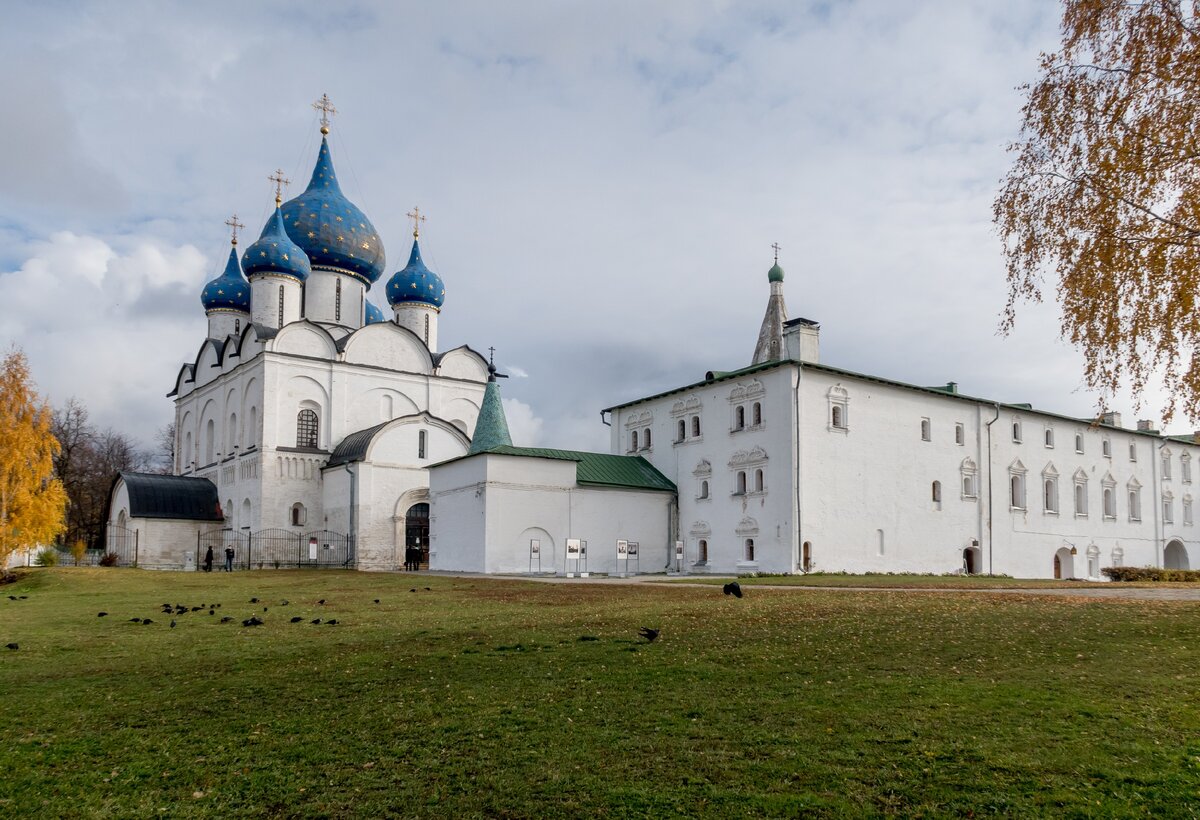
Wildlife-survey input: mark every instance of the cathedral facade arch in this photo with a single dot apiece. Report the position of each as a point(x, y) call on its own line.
point(387, 345)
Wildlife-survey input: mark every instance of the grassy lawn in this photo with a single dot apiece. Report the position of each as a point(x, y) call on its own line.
point(914, 581)
point(517, 699)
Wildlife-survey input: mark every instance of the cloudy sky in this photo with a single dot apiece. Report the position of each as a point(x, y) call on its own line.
point(603, 182)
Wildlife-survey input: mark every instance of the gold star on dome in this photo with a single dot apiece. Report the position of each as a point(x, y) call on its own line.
point(366, 247)
point(285, 258)
point(310, 233)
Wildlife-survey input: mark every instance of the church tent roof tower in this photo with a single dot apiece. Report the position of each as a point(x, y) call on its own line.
point(770, 346)
point(229, 291)
point(491, 428)
point(331, 229)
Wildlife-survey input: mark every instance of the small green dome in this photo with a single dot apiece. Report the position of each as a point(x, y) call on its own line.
point(775, 274)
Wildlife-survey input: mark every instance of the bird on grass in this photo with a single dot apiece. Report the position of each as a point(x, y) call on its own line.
point(733, 588)
point(254, 600)
point(264, 609)
point(331, 622)
point(315, 621)
point(12, 646)
point(377, 600)
point(135, 620)
point(649, 634)
point(283, 602)
point(321, 602)
point(427, 589)
point(414, 589)
point(197, 608)
point(12, 597)
point(212, 612)
point(146, 622)
point(253, 620)
point(227, 619)
point(23, 597)
point(101, 614)
point(172, 624)
point(297, 619)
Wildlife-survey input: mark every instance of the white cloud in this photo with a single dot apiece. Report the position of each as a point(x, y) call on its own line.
point(524, 427)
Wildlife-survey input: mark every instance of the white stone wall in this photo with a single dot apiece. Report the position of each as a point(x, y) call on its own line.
point(488, 508)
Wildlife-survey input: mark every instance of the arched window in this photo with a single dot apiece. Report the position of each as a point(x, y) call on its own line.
point(633, 440)
point(233, 436)
point(252, 428)
point(1110, 503)
point(1135, 504)
point(1080, 498)
point(646, 442)
point(739, 417)
point(1106, 448)
point(1016, 431)
point(756, 413)
point(682, 430)
point(188, 456)
point(1166, 465)
point(758, 481)
point(740, 487)
point(925, 433)
point(1050, 495)
point(299, 515)
point(210, 448)
point(1016, 492)
point(421, 443)
point(702, 551)
point(806, 556)
point(749, 549)
point(835, 418)
point(1079, 442)
point(695, 427)
point(307, 429)
point(936, 492)
point(703, 489)
point(1049, 437)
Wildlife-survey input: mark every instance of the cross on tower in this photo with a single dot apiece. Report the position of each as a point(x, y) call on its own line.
point(415, 216)
point(326, 108)
point(775, 245)
point(234, 227)
point(280, 180)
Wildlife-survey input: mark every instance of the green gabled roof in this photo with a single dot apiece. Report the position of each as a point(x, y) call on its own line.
point(593, 469)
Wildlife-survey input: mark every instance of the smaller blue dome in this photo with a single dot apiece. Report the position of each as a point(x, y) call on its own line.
point(416, 283)
point(229, 291)
point(275, 253)
point(374, 314)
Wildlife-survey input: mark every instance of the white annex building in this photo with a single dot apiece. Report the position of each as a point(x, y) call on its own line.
point(312, 431)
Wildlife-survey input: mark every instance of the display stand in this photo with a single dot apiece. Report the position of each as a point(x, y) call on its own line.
point(634, 557)
point(679, 556)
point(622, 566)
point(574, 557)
point(535, 554)
point(583, 557)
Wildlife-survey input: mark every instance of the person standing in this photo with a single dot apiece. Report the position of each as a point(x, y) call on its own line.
point(208, 560)
point(229, 559)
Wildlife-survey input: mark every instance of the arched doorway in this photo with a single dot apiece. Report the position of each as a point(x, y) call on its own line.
point(806, 556)
point(1064, 564)
point(416, 531)
point(1175, 555)
point(971, 562)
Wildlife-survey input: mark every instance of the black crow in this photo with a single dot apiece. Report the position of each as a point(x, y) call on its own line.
point(264, 609)
point(414, 589)
point(283, 602)
point(146, 621)
point(377, 600)
point(172, 624)
point(297, 619)
point(227, 619)
point(331, 623)
point(315, 621)
point(253, 620)
point(733, 588)
point(648, 633)
point(23, 597)
point(427, 589)
point(11, 646)
point(321, 602)
point(135, 620)
point(212, 612)
point(101, 614)
point(12, 597)
point(197, 608)
point(254, 600)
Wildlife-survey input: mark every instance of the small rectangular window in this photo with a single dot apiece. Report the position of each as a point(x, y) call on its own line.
point(959, 436)
point(1049, 437)
point(1079, 442)
point(924, 429)
point(1106, 448)
point(1016, 432)
point(1132, 451)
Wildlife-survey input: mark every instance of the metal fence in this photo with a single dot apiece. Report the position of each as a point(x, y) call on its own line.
point(286, 549)
point(218, 540)
point(119, 541)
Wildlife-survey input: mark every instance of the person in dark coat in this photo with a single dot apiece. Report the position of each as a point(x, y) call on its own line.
point(229, 559)
point(208, 559)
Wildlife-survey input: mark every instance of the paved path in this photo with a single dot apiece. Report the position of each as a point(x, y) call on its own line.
point(1125, 593)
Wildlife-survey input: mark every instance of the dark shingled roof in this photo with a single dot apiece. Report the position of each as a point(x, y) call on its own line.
point(354, 446)
point(171, 496)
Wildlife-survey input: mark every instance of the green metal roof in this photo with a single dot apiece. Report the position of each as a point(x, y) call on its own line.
point(491, 428)
point(593, 469)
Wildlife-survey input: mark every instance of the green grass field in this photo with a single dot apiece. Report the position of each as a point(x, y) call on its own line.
point(911, 581)
point(519, 699)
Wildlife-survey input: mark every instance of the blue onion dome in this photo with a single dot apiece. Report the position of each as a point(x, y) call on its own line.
point(416, 283)
point(374, 313)
point(330, 229)
point(229, 291)
point(275, 253)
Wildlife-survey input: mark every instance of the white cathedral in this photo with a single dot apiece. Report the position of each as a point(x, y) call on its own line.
point(313, 431)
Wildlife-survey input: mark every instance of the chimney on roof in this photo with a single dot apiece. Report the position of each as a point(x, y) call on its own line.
point(802, 340)
point(1146, 426)
point(1111, 419)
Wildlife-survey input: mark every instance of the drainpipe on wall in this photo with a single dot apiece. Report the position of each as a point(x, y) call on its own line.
point(797, 542)
point(1160, 558)
point(991, 538)
point(353, 503)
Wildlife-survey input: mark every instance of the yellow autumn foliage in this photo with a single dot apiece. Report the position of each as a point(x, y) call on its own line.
point(1103, 198)
point(32, 501)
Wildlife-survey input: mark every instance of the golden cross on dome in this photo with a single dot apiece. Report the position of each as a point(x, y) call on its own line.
point(326, 108)
point(775, 245)
point(415, 216)
point(280, 180)
point(234, 226)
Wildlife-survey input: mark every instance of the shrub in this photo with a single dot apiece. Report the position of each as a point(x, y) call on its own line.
point(109, 559)
point(46, 557)
point(1150, 574)
point(78, 550)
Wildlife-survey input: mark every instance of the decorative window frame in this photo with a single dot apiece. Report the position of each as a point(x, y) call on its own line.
point(1188, 518)
point(1050, 496)
point(1079, 481)
point(1185, 468)
point(1108, 491)
point(1133, 492)
point(1166, 463)
point(1016, 481)
point(1168, 507)
point(1106, 447)
point(1018, 436)
point(1118, 556)
point(838, 397)
point(969, 479)
point(1079, 442)
point(1048, 438)
point(960, 434)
